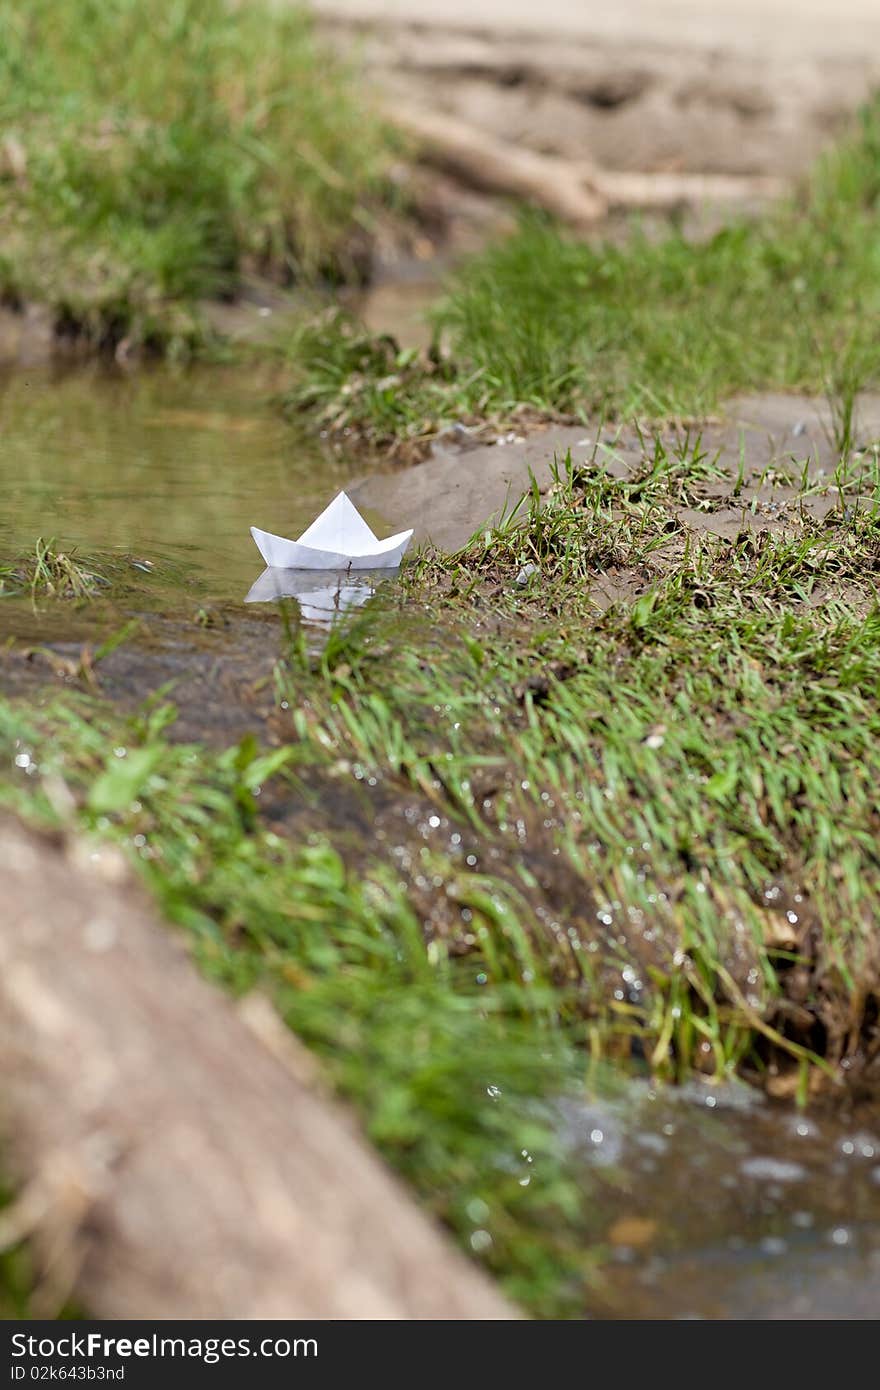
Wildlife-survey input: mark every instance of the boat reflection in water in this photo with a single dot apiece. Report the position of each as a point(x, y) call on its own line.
point(321, 594)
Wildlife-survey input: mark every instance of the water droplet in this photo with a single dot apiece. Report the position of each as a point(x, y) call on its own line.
point(477, 1211)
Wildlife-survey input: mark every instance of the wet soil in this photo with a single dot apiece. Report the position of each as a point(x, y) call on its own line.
point(760, 449)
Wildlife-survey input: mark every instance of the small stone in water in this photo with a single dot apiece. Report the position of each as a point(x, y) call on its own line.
point(772, 1170)
point(773, 1245)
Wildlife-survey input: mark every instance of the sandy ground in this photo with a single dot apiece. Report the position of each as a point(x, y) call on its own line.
point(735, 86)
point(818, 28)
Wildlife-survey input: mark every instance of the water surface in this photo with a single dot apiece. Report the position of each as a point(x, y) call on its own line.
point(713, 1202)
point(167, 467)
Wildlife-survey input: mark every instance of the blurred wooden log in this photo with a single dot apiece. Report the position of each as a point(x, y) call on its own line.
point(176, 1157)
point(556, 185)
point(662, 191)
point(578, 192)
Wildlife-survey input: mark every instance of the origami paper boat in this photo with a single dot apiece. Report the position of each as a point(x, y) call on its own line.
point(339, 539)
point(320, 600)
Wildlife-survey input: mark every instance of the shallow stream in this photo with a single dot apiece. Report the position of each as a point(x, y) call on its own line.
point(720, 1204)
point(171, 468)
point(709, 1203)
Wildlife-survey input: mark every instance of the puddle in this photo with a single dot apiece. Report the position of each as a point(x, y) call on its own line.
point(718, 1203)
point(168, 468)
point(160, 475)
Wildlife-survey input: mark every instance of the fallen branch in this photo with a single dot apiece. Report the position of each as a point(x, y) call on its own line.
point(578, 192)
point(175, 1158)
point(662, 191)
point(496, 166)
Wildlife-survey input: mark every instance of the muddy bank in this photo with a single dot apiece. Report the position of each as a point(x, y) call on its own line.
point(259, 316)
point(701, 1202)
point(759, 449)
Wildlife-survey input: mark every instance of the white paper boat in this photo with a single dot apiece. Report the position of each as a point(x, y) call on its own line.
point(339, 539)
point(320, 600)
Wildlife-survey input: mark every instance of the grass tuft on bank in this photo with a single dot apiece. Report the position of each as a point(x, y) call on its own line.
point(51, 573)
point(151, 159)
point(653, 327)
